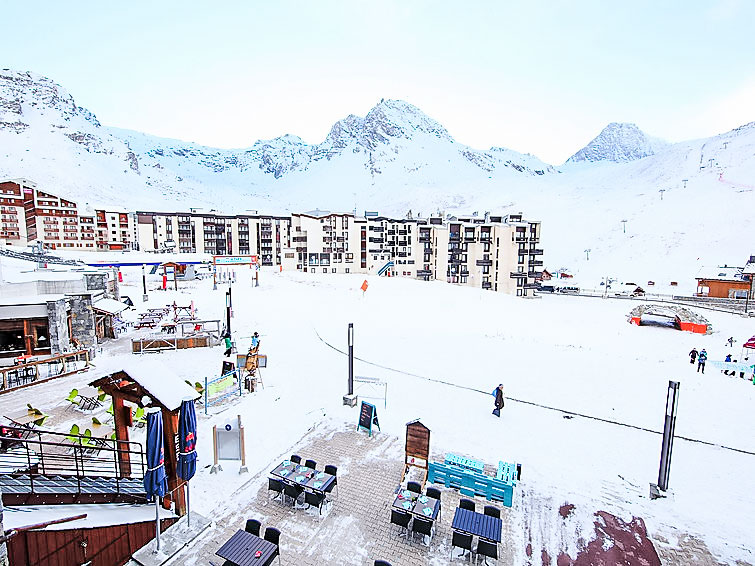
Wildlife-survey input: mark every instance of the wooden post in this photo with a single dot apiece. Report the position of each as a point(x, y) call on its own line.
point(243, 467)
point(121, 435)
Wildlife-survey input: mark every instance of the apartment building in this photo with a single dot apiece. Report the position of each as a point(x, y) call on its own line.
point(498, 253)
point(214, 234)
point(30, 215)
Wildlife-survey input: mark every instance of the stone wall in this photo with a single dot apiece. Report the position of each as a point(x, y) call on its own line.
point(57, 320)
point(83, 322)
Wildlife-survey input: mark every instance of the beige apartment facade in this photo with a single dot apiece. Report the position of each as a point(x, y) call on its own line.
point(215, 234)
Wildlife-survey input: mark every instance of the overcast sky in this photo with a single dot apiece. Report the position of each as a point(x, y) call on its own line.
point(541, 77)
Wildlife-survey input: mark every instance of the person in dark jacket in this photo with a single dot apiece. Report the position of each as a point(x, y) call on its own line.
point(693, 355)
point(727, 359)
point(701, 359)
point(498, 393)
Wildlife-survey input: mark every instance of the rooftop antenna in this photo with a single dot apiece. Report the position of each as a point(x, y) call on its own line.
point(661, 191)
point(624, 222)
point(587, 251)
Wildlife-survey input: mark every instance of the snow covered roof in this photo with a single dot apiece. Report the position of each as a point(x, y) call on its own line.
point(725, 273)
point(96, 515)
point(161, 381)
point(110, 306)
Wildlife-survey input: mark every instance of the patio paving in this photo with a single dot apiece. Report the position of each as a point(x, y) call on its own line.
point(356, 528)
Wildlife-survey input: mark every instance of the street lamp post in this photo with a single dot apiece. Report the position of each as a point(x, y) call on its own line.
point(624, 222)
point(351, 358)
point(228, 310)
point(145, 297)
point(587, 251)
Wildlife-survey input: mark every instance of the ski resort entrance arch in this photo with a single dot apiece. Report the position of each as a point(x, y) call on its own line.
point(683, 319)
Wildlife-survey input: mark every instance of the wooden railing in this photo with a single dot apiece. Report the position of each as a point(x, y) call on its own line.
point(61, 365)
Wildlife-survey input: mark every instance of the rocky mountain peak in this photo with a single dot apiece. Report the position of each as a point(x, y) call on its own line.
point(619, 142)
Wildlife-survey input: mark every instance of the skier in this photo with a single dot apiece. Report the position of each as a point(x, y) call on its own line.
point(727, 359)
point(693, 355)
point(228, 344)
point(701, 359)
point(498, 394)
point(731, 341)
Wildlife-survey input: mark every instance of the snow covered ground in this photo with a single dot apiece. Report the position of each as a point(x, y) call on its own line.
point(447, 347)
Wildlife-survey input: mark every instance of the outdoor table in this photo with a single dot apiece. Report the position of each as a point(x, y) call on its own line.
point(417, 504)
point(25, 419)
point(89, 398)
point(472, 523)
point(168, 327)
point(241, 548)
point(298, 474)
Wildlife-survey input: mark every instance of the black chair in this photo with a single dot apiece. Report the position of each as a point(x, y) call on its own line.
point(295, 458)
point(314, 499)
point(311, 464)
point(414, 486)
point(493, 511)
point(276, 486)
point(253, 526)
point(423, 527)
point(382, 563)
point(487, 549)
point(273, 535)
point(467, 504)
point(333, 471)
point(462, 541)
point(434, 492)
point(401, 519)
point(292, 491)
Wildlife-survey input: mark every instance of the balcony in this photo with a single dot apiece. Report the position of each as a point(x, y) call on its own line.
point(518, 274)
point(535, 252)
point(484, 262)
point(535, 263)
point(520, 238)
point(535, 274)
point(469, 238)
point(487, 285)
point(377, 240)
point(424, 273)
point(454, 237)
point(455, 261)
point(377, 228)
point(531, 286)
point(425, 239)
point(391, 232)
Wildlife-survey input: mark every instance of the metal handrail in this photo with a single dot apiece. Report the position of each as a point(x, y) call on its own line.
point(54, 453)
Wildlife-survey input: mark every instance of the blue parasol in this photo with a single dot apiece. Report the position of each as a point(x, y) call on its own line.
point(187, 443)
point(155, 483)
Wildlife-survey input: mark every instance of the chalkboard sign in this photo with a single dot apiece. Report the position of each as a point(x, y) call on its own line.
point(228, 367)
point(368, 417)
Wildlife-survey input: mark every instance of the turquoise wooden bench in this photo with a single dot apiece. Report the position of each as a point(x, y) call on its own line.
point(506, 472)
point(471, 483)
point(467, 463)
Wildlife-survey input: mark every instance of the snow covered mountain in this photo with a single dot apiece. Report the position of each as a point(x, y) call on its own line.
point(619, 143)
point(684, 204)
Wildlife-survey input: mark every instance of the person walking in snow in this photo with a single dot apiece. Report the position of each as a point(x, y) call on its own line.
point(228, 344)
point(731, 341)
point(498, 394)
point(727, 359)
point(701, 359)
point(693, 355)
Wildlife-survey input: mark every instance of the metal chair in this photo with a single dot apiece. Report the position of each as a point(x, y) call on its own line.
point(276, 486)
point(401, 519)
point(273, 535)
point(311, 464)
point(467, 504)
point(253, 526)
point(333, 471)
point(434, 492)
point(292, 491)
point(462, 541)
point(492, 511)
point(295, 458)
point(423, 527)
point(487, 550)
point(414, 486)
point(314, 499)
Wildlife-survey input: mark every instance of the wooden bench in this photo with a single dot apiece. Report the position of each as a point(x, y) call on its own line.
point(471, 483)
point(467, 463)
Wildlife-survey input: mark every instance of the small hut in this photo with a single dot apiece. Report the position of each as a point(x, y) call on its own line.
point(142, 386)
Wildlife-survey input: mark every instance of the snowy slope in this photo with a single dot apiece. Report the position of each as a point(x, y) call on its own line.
point(397, 159)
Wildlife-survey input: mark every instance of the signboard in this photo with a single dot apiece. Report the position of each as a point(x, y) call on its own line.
point(368, 417)
point(364, 286)
point(228, 441)
point(234, 259)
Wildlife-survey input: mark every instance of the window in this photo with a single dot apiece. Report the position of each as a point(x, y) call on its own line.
point(347, 270)
point(324, 269)
point(333, 270)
